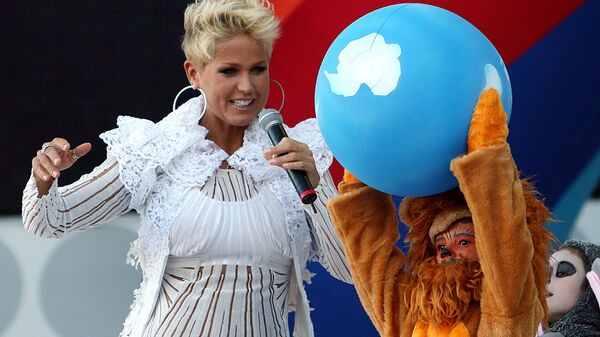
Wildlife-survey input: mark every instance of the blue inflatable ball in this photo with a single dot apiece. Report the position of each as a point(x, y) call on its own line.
point(396, 91)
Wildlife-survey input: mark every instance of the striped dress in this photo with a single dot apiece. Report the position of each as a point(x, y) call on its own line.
point(230, 264)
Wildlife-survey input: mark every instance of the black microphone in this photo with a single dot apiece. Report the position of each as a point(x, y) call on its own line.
point(271, 121)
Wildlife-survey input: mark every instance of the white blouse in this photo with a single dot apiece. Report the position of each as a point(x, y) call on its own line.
point(230, 221)
point(230, 265)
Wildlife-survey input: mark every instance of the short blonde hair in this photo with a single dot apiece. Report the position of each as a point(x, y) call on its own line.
point(209, 22)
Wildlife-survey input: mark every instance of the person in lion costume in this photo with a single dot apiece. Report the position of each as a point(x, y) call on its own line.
point(477, 257)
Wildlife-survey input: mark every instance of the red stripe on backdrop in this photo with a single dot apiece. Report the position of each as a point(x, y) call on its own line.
point(285, 8)
point(310, 26)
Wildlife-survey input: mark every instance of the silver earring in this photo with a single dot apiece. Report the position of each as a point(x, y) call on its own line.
point(282, 93)
point(201, 94)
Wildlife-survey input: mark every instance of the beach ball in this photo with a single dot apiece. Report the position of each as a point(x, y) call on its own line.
point(396, 91)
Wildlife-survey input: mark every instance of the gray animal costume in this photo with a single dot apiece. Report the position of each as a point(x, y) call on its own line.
point(583, 320)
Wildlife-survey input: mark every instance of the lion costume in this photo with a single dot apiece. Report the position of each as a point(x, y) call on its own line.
point(501, 295)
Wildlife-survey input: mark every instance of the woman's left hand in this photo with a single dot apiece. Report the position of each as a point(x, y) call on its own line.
point(293, 155)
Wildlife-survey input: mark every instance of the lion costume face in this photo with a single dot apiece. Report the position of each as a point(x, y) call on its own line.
point(443, 292)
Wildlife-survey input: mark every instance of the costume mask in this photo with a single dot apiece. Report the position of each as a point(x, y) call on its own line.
point(565, 285)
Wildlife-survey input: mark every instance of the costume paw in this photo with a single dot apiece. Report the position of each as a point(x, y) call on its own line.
point(349, 178)
point(488, 125)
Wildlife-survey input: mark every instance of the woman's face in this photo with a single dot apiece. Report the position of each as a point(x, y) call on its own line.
point(236, 81)
point(566, 281)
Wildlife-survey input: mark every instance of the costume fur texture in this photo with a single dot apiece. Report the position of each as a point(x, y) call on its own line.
point(502, 295)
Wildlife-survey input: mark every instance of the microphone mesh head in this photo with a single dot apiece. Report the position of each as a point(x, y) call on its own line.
point(268, 117)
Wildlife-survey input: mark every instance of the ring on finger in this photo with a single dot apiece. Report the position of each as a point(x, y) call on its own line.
point(45, 146)
point(74, 155)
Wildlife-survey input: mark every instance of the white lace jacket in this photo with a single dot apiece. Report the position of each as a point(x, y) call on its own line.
point(158, 162)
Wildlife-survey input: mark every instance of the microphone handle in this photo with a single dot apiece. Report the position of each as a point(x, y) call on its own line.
point(299, 178)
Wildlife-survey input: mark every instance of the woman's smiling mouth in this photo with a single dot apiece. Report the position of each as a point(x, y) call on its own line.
point(242, 103)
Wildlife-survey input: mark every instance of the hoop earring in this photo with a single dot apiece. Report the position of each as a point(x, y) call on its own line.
point(201, 94)
point(282, 93)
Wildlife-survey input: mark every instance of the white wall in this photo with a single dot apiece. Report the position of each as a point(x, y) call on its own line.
point(78, 286)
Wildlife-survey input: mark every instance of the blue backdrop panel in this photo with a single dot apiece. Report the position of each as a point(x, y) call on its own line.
point(556, 109)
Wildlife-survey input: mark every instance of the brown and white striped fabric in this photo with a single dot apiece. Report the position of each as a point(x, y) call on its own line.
point(220, 300)
point(95, 198)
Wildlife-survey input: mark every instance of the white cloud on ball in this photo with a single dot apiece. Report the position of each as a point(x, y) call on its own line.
point(370, 61)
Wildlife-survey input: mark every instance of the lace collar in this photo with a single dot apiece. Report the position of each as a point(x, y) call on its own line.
point(199, 161)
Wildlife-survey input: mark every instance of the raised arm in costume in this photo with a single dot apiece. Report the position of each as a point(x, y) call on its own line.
point(435, 291)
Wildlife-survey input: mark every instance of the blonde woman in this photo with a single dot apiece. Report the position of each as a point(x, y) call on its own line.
point(224, 239)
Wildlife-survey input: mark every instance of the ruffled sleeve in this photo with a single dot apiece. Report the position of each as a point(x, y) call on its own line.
point(144, 148)
point(135, 145)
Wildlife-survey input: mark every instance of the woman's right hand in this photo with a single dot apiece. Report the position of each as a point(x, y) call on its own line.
point(56, 156)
